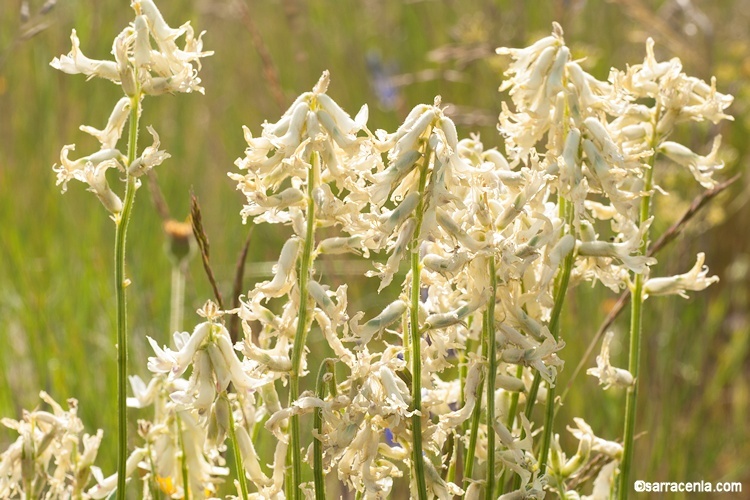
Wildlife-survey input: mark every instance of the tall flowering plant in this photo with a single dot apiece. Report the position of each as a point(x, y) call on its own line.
point(475, 248)
point(147, 61)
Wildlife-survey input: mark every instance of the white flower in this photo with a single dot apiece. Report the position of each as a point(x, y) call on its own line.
point(620, 250)
point(604, 483)
point(75, 62)
point(702, 167)
point(68, 168)
point(52, 453)
point(95, 177)
point(284, 276)
point(363, 333)
point(110, 135)
point(609, 448)
point(694, 280)
point(168, 69)
point(609, 375)
point(150, 157)
point(105, 486)
point(176, 362)
point(443, 320)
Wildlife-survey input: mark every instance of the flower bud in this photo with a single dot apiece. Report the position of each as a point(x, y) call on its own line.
point(218, 423)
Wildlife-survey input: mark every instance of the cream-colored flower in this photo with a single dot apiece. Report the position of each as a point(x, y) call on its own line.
point(607, 374)
point(75, 62)
point(110, 135)
point(702, 167)
point(151, 156)
point(52, 454)
point(696, 279)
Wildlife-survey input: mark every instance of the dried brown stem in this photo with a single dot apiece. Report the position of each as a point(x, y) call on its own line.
point(202, 239)
point(157, 197)
point(239, 274)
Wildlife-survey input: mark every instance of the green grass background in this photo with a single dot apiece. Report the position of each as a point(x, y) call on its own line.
point(56, 290)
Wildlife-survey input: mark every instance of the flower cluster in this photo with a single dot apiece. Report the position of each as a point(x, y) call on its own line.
point(471, 338)
point(139, 69)
point(494, 241)
point(52, 455)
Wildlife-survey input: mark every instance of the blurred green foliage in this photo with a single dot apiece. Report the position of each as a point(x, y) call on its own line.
point(56, 290)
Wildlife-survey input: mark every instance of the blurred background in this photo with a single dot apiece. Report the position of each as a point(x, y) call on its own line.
point(56, 285)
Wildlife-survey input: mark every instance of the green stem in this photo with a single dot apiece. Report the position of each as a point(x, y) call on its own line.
point(28, 488)
point(183, 462)
point(514, 402)
point(301, 334)
point(152, 486)
point(415, 340)
point(562, 287)
point(511, 420)
point(475, 418)
point(320, 390)
point(236, 449)
point(489, 334)
point(636, 330)
point(121, 283)
point(463, 370)
point(405, 340)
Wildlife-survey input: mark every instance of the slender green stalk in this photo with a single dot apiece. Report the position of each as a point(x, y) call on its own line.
point(566, 209)
point(489, 326)
point(121, 283)
point(475, 418)
point(288, 480)
point(509, 423)
point(320, 389)
point(152, 486)
point(554, 327)
point(561, 288)
point(636, 318)
point(463, 370)
point(514, 402)
point(416, 337)
point(183, 462)
point(177, 299)
point(28, 487)
point(236, 449)
point(451, 475)
point(405, 339)
point(301, 334)
point(636, 324)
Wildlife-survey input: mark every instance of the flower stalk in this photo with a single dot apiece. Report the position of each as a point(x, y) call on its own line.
point(561, 287)
point(566, 210)
point(325, 373)
point(415, 334)
point(183, 461)
point(236, 448)
point(302, 326)
point(489, 334)
point(121, 282)
point(476, 416)
point(636, 330)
